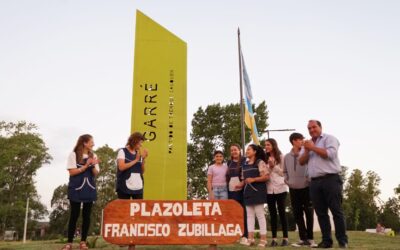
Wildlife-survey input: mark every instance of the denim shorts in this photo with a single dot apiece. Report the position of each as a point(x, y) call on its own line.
point(220, 193)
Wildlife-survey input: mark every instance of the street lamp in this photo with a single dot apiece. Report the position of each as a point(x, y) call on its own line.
point(7, 187)
point(26, 220)
point(277, 130)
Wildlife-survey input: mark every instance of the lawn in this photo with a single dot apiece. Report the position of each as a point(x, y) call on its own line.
point(358, 240)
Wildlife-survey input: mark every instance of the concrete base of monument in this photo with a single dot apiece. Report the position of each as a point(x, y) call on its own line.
point(147, 222)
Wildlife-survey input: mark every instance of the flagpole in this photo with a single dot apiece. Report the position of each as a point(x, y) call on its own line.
point(241, 94)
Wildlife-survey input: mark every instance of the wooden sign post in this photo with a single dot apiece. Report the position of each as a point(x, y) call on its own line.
point(152, 222)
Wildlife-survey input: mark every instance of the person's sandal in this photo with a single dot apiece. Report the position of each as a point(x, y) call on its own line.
point(67, 247)
point(248, 242)
point(262, 243)
point(83, 246)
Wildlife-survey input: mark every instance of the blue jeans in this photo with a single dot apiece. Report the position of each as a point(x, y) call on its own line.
point(220, 193)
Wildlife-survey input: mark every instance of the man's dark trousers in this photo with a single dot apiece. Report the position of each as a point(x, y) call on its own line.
point(326, 193)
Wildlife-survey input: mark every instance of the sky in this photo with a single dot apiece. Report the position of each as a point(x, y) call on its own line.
point(67, 66)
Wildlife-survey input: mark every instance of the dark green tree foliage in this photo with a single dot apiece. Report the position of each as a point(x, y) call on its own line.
point(215, 127)
point(60, 214)
point(360, 200)
point(105, 183)
point(22, 153)
point(390, 214)
point(343, 173)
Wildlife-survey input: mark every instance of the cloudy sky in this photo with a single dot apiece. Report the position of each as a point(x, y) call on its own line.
point(66, 66)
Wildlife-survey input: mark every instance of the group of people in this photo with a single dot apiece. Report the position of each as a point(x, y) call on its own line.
point(310, 172)
point(83, 167)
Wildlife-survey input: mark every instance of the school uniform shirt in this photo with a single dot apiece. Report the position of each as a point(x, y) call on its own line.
point(81, 187)
point(254, 193)
point(276, 183)
point(130, 181)
point(71, 161)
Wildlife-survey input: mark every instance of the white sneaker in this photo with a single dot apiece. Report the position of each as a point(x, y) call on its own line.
point(312, 243)
point(300, 243)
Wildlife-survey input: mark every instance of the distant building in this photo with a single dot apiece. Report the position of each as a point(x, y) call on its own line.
point(10, 235)
point(40, 229)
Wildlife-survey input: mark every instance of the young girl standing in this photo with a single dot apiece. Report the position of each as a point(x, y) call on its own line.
point(216, 181)
point(216, 178)
point(277, 191)
point(83, 166)
point(255, 175)
point(130, 169)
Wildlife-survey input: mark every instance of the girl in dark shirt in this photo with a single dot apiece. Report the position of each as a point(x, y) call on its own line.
point(130, 170)
point(234, 179)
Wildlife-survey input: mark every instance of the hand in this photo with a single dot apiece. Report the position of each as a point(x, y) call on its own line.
point(95, 161)
point(249, 180)
point(137, 158)
point(238, 187)
point(145, 153)
point(89, 161)
point(271, 162)
point(309, 144)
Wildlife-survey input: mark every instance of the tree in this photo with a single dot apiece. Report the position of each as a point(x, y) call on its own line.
point(360, 203)
point(215, 127)
point(390, 215)
point(22, 153)
point(105, 184)
point(343, 173)
point(60, 214)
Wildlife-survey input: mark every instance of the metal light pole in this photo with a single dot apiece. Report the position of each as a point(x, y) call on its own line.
point(5, 188)
point(26, 220)
point(277, 130)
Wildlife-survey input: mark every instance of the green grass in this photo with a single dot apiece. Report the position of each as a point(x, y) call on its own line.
point(357, 240)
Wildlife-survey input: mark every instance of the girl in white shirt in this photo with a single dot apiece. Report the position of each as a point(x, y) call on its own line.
point(83, 167)
point(276, 191)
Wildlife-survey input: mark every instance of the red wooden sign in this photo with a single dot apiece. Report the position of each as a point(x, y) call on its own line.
point(145, 222)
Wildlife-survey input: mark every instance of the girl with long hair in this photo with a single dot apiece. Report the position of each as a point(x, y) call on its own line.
point(276, 191)
point(83, 166)
point(131, 165)
point(255, 174)
point(234, 180)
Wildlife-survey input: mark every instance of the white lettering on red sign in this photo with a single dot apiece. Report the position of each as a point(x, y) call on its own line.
point(139, 229)
point(164, 230)
point(176, 209)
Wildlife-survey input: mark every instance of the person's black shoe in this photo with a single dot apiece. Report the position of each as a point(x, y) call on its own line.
point(274, 243)
point(345, 245)
point(284, 243)
point(323, 245)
